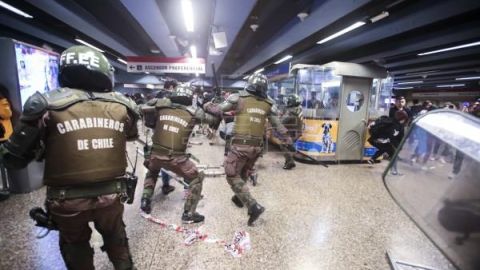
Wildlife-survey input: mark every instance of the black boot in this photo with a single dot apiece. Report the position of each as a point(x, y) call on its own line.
point(167, 189)
point(289, 164)
point(254, 212)
point(192, 218)
point(4, 194)
point(237, 201)
point(254, 178)
point(146, 205)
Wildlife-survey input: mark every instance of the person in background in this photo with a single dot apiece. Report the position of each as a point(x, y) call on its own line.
point(6, 131)
point(400, 105)
point(415, 108)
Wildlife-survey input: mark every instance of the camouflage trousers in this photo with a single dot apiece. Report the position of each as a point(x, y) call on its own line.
point(238, 164)
point(181, 166)
point(72, 218)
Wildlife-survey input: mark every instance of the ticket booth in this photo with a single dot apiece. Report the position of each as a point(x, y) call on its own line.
point(337, 103)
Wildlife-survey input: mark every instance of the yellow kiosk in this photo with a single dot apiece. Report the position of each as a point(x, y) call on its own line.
point(339, 99)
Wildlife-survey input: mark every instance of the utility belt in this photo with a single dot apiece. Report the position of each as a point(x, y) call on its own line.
point(124, 186)
point(247, 141)
point(164, 151)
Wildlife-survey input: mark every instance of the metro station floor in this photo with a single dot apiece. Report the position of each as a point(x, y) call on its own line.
point(340, 217)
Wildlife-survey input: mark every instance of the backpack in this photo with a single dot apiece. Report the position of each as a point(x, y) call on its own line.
point(379, 126)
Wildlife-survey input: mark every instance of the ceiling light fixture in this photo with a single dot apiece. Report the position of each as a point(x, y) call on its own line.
point(15, 10)
point(451, 85)
point(408, 87)
point(379, 17)
point(88, 44)
point(412, 82)
point(283, 59)
point(451, 48)
point(468, 78)
point(258, 70)
point(154, 51)
point(246, 77)
point(122, 61)
point(341, 32)
point(187, 14)
point(423, 72)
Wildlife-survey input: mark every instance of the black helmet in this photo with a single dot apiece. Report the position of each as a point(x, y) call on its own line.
point(257, 84)
point(182, 95)
point(85, 68)
point(292, 100)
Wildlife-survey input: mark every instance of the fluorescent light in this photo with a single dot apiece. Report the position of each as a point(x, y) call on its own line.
point(331, 83)
point(122, 61)
point(193, 51)
point(187, 14)
point(147, 72)
point(15, 10)
point(258, 70)
point(451, 85)
point(283, 59)
point(412, 82)
point(379, 17)
point(88, 44)
point(408, 87)
point(339, 33)
point(423, 72)
point(451, 48)
point(246, 77)
point(150, 86)
point(468, 78)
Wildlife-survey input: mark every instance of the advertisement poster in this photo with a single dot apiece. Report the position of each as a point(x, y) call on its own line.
point(319, 137)
point(37, 70)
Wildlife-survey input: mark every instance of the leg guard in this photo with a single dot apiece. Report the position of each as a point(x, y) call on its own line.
point(241, 190)
point(118, 252)
point(77, 255)
point(195, 193)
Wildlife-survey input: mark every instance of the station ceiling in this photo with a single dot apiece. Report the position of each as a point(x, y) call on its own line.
point(156, 28)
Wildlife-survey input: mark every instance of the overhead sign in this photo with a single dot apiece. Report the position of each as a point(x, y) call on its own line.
point(139, 64)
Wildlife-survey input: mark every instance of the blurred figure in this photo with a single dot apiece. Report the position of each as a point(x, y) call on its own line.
point(400, 105)
point(5, 132)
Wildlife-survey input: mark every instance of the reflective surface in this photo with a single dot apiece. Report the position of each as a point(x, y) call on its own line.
point(354, 100)
point(438, 183)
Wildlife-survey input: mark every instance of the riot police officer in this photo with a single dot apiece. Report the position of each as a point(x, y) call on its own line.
point(175, 119)
point(252, 108)
point(82, 129)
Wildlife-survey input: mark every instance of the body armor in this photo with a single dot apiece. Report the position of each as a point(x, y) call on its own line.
point(173, 127)
point(81, 125)
point(251, 117)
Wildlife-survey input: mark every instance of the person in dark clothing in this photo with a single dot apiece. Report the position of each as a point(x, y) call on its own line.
point(389, 137)
point(400, 105)
point(416, 108)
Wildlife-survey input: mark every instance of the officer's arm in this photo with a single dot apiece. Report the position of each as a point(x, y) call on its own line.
point(277, 124)
point(24, 143)
point(218, 109)
point(207, 118)
point(131, 130)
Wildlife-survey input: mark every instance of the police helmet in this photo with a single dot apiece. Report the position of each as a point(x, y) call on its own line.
point(292, 100)
point(257, 84)
point(82, 67)
point(183, 94)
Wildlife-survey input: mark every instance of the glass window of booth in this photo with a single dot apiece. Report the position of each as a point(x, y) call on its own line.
point(380, 97)
point(319, 90)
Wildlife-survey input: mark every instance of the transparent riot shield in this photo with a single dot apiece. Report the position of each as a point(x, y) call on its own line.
point(437, 182)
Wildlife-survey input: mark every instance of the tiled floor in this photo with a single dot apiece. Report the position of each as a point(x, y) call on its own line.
point(339, 217)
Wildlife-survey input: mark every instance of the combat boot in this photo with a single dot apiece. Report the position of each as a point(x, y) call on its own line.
point(237, 201)
point(289, 164)
point(254, 212)
point(167, 189)
point(146, 205)
point(188, 218)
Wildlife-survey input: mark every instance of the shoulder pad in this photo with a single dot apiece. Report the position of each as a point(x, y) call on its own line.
point(151, 102)
point(117, 98)
point(35, 106)
point(163, 102)
point(64, 97)
point(191, 110)
point(269, 101)
point(233, 98)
